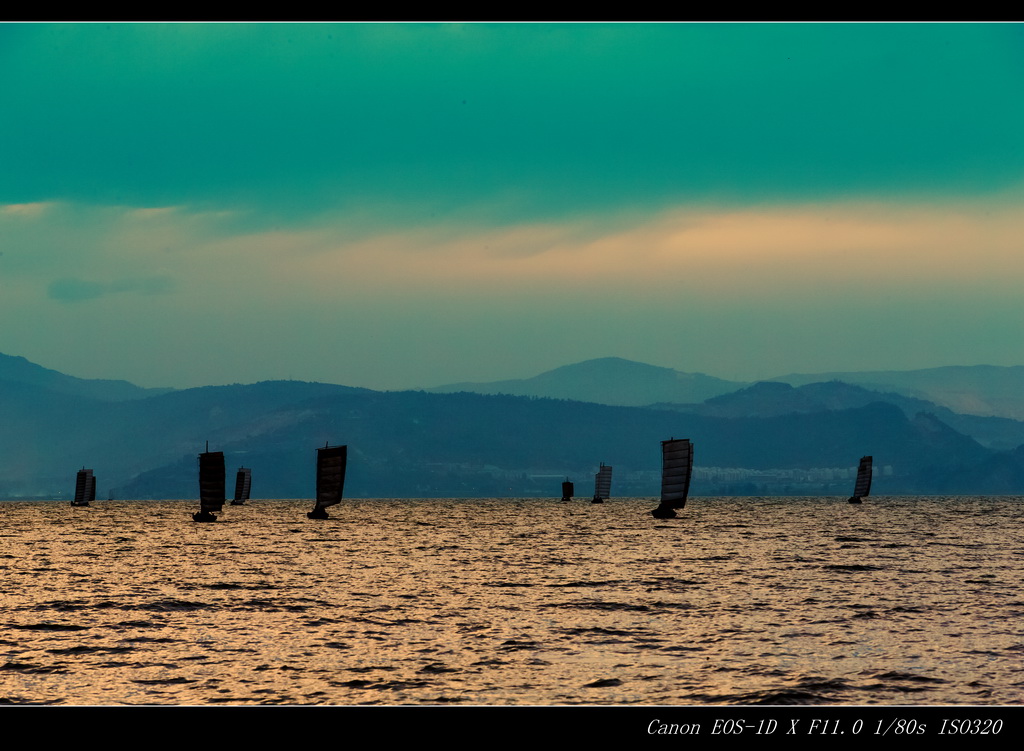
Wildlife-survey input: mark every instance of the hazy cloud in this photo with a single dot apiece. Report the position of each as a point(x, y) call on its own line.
point(76, 290)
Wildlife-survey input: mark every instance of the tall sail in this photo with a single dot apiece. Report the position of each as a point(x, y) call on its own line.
point(211, 481)
point(863, 486)
point(330, 475)
point(603, 483)
point(568, 490)
point(243, 481)
point(83, 482)
point(676, 469)
point(91, 495)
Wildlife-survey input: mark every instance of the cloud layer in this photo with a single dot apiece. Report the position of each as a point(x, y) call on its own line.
point(395, 205)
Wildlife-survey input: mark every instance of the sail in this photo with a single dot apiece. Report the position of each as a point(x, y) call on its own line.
point(863, 486)
point(82, 483)
point(91, 495)
point(603, 482)
point(211, 481)
point(330, 475)
point(243, 481)
point(676, 469)
point(567, 489)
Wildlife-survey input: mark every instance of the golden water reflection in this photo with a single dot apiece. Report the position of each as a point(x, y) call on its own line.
point(899, 601)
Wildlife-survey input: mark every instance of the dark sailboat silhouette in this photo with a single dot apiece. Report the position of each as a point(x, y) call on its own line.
point(676, 469)
point(330, 479)
point(211, 485)
point(243, 481)
point(602, 484)
point(862, 488)
point(85, 487)
point(568, 490)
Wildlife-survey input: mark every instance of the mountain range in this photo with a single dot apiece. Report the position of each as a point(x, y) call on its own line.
point(982, 390)
point(764, 438)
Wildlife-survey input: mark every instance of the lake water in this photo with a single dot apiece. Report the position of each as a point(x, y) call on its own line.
point(902, 600)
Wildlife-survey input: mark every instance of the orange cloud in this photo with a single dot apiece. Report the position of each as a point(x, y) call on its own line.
point(696, 250)
point(763, 250)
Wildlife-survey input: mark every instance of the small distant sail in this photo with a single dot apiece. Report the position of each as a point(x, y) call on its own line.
point(862, 488)
point(85, 487)
point(602, 483)
point(243, 481)
point(331, 462)
point(568, 490)
point(676, 470)
point(211, 485)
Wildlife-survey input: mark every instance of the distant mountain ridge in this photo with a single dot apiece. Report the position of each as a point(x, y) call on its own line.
point(985, 390)
point(19, 370)
point(981, 390)
point(775, 398)
point(607, 380)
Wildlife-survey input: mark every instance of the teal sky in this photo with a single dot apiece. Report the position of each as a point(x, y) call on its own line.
point(406, 205)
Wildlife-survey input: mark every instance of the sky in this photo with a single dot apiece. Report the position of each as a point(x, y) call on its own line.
point(408, 205)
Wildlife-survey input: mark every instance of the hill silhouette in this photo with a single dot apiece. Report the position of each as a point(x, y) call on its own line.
point(607, 380)
point(771, 398)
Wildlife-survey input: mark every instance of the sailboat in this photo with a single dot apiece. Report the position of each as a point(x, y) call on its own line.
point(568, 490)
point(243, 481)
point(211, 485)
point(85, 487)
point(602, 483)
point(676, 469)
point(863, 486)
point(330, 479)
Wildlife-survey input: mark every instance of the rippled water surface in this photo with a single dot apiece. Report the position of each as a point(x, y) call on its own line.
point(739, 601)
